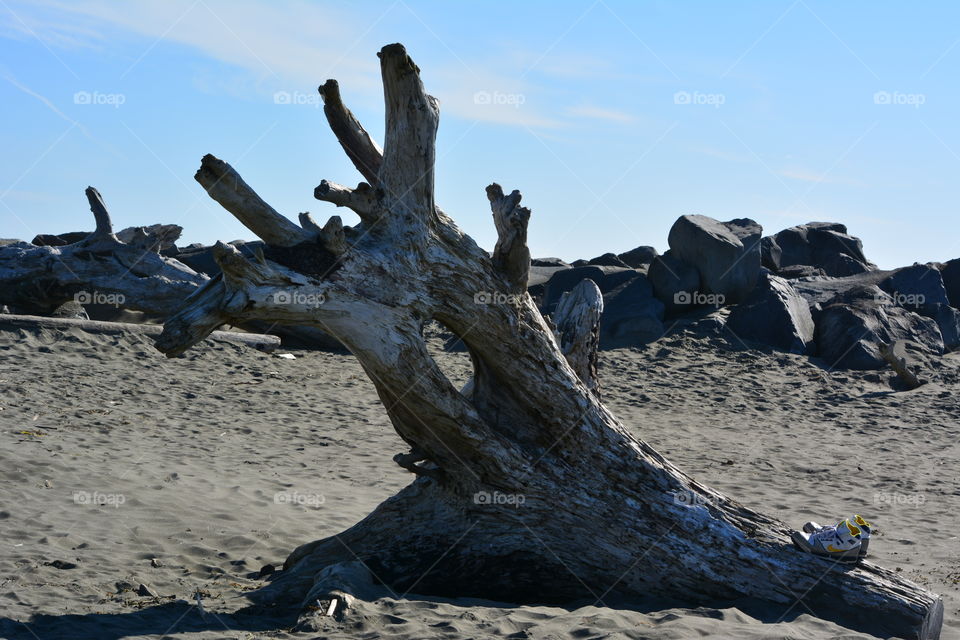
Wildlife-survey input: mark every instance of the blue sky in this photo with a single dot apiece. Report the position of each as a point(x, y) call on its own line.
point(613, 118)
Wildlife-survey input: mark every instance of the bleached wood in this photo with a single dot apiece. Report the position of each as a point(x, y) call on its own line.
point(15, 321)
point(362, 150)
point(577, 321)
point(536, 491)
point(38, 279)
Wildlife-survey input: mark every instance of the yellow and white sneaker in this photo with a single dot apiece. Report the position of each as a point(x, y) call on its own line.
point(840, 542)
point(858, 520)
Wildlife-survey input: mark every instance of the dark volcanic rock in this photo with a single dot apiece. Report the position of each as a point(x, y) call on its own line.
point(675, 283)
point(607, 279)
point(920, 288)
point(825, 245)
point(548, 262)
point(59, 240)
point(916, 287)
point(950, 272)
point(851, 327)
point(631, 315)
point(639, 257)
point(795, 271)
point(726, 254)
point(200, 259)
point(775, 315)
point(609, 260)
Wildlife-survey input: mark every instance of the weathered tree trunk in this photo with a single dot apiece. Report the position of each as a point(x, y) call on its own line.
point(528, 488)
point(99, 268)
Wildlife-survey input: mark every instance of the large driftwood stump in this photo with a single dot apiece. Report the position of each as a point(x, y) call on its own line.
point(99, 268)
point(527, 488)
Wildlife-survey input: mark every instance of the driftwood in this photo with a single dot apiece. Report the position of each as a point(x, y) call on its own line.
point(13, 321)
point(97, 269)
point(527, 488)
point(896, 356)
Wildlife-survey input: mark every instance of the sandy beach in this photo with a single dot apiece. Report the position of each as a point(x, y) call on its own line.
point(122, 468)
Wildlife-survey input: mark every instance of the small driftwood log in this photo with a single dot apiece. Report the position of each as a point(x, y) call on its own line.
point(13, 321)
point(896, 356)
point(535, 491)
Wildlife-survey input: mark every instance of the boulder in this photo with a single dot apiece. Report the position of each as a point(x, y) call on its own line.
point(920, 288)
point(825, 245)
point(537, 280)
point(548, 262)
point(950, 272)
point(579, 263)
point(770, 253)
point(774, 314)
point(609, 260)
point(822, 289)
point(796, 271)
point(563, 280)
point(726, 255)
point(851, 328)
point(916, 287)
point(631, 315)
point(59, 240)
point(639, 257)
point(675, 283)
point(200, 258)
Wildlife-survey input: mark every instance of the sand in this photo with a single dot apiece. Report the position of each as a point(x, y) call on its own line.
point(121, 468)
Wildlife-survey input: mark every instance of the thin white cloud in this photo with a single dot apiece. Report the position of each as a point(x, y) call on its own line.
point(44, 100)
point(295, 49)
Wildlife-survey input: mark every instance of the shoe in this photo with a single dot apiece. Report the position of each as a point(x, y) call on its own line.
point(840, 543)
point(864, 526)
